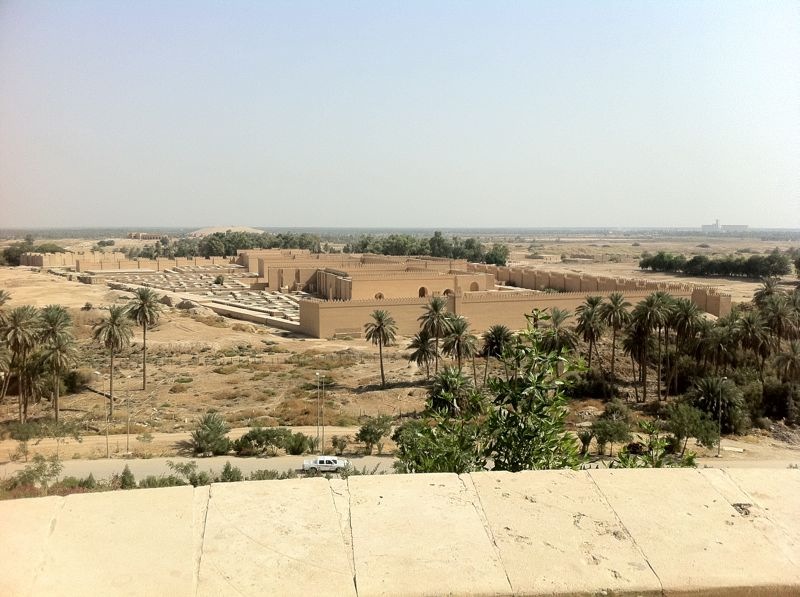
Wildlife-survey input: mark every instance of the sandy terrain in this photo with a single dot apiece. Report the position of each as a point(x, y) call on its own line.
point(257, 375)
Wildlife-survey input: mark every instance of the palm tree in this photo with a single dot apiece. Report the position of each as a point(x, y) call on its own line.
point(435, 322)
point(778, 317)
point(615, 314)
point(788, 363)
point(4, 298)
point(59, 346)
point(720, 398)
point(684, 317)
point(144, 309)
point(59, 354)
point(651, 314)
point(20, 333)
point(754, 337)
point(590, 325)
point(461, 343)
point(769, 288)
point(685, 320)
point(381, 331)
point(558, 336)
point(637, 345)
point(495, 340)
point(114, 333)
point(423, 351)
point(718, 345)
point(448, 391)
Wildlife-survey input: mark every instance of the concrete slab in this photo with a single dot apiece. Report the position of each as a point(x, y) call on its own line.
point(777, 491)
point(421, 535)
point(557, 535)
point(273, 537)
point(777, 494)
point(136, 542)
point(200, 499)
point(693, 538)
point(25, 527)
point(341, 501)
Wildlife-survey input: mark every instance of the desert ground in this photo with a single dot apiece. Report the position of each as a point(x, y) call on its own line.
point(255, 375)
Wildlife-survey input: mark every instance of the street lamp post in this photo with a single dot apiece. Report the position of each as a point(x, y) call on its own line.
point(318, 402)
point(322, 413)
point(719, 417)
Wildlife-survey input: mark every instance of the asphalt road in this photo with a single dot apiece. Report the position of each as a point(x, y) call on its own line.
point(104, 469)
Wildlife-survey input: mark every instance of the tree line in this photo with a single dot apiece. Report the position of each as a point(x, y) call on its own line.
point(754, 266)
point(11, 254)
point(437, 245)
point(225, 244)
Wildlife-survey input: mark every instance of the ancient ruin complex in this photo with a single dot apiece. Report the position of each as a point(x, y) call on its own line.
point(329, 295)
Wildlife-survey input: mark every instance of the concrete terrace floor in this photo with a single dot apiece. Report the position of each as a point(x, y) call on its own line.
point(634, 532)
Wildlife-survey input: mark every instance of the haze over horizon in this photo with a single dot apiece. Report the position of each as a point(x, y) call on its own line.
point(447, 114)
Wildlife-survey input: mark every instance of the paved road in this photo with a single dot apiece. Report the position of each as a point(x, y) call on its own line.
point(103, 469)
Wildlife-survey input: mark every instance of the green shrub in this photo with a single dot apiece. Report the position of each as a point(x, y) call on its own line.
point(126, 479)
point(592, 383)
point(298, 443)
point(77, 379)
point(210, 436)
point(188, 471)
point(373, 430)
point(258, 441)
point(609, 431)
point(231, 474)
point(339, 443)
point(270, 475)
point(153, 481)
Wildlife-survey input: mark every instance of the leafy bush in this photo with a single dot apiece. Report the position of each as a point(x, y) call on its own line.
point(685, 421)
point(41, 472)
point(440, 445)
point(258, 441)
point(373, 431)
point(299, 443)
point(188, 471)
point(153, 481)
point(585, 437)
point(77, 379)
point(592, 383)
point(270, 475)
point(231, 474)
point(210, 436)
point(653, 454)
point(126, 479)
point(780, 401)
point(339, 443)
point(609, 431)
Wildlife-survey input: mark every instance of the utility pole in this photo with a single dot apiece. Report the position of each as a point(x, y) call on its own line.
point(317, 374)
point(322, 414)
point(719, 417)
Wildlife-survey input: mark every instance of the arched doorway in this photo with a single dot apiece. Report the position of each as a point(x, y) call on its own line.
point(447, 292)
point(473, 287)
point(423, 292)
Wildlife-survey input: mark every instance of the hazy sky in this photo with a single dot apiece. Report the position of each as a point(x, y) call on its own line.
point(449, 114)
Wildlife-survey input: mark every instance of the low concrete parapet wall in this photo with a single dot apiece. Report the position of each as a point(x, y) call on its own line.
point(597, 532)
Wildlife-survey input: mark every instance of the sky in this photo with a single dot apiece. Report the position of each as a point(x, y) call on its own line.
point(402, 114)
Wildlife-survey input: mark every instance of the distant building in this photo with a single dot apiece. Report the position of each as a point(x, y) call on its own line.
point(144, 236)
point(716, 227)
